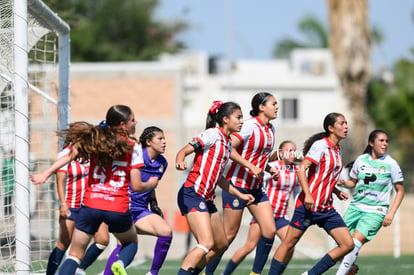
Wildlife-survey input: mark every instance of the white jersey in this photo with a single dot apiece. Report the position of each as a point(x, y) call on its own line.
point(375, 179)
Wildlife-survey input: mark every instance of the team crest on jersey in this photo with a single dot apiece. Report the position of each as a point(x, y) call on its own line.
point(202, 205)
point(236, 203)
point(161, 168)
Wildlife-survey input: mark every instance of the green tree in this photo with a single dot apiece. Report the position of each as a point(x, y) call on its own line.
point(391, 105)
point(113, 30)
point(314, 31)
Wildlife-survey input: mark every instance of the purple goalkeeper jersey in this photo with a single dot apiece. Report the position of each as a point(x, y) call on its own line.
point(154, 168)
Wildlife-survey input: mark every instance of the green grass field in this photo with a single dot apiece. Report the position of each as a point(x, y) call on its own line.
point(368, 265)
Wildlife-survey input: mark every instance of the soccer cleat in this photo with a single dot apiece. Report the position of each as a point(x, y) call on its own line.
point(354, 269)
point(304, 273)
point(118, 268)
point(80, 271)
point(149, 273)
point(254, 273)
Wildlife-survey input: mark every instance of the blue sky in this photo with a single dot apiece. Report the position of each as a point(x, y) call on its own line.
point(249, 29)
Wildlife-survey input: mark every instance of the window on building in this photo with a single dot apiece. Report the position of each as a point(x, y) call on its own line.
point(289, 108)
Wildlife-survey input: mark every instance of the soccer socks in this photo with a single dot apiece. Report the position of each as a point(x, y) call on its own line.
point(127, 253)
point(69, 266)
point(212, 265)
point(54, 261)
point(160, 252)
point(93, 252)
point(349, 259)
point(111, 259)
point(324, 264)
point(262, 252)
point(276, 267)
point(230, 267)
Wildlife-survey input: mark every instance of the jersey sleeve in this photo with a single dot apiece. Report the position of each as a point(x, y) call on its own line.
point(396, 173)
point(315, 152)
point(61, 154)
point(245, 132)
point(137, 160)
point(207, 138)
point(353, 174)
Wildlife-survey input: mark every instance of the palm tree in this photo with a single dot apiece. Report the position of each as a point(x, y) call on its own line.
point(350, 43)
point(316, 37)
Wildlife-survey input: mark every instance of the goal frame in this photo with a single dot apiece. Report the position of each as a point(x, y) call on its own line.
point(46, 16)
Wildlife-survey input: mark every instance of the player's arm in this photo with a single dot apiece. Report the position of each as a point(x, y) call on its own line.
point(235, 156)
point(229, 188)
point(140, 186)
point(60, 183)
point(42, 177)
point(190, 148)
point(303, 166)
point(399, 188)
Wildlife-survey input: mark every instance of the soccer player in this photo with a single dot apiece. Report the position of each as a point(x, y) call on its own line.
point(279, 189)
point(253, 146)
point(115, 159)
point(318, 173)
point(212, 150)
point(374, 174)
point(71, 181)
point(149, 222)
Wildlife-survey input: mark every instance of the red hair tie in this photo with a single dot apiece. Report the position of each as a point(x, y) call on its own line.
point(216, 106)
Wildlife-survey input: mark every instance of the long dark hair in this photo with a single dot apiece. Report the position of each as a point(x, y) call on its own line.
point(148, 133)
point(105, 142)
point(215, 115)
point(257, 100)
point(117, 114)
point(329, 120)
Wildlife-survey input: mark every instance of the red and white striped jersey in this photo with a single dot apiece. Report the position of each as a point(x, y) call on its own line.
point(257, 140)
point(323, 175)
point(209, 162)
point(107, 187)
point(76, 179)
point(279, 190)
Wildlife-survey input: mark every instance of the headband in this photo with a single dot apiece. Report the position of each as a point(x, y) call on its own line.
point(216, 105)
point(265, 99)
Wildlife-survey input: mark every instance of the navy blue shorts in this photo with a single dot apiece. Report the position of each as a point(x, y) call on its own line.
point(89, 220)
point(230, 201)
point(279, 222)
point(73, 214)
point(303, 218)
point(189, 201)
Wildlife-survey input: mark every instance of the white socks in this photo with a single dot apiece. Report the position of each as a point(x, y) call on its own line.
point(349, 259)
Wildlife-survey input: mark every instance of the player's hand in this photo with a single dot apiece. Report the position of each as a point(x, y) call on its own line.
point(182, 165)
point(341, 182)
point(64, 211)
point(342, 196)
point(309, 202)
point(258, 172)
point(38, 178)
point(388, 220)
point(248, 198)
point(274, 173)
point(153, 182)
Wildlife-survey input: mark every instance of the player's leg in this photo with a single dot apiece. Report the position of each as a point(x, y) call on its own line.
point(66, 227)
point(263, 214)
point(253, 237)
point(200, 226)
point(96, 248)
point(155, 225)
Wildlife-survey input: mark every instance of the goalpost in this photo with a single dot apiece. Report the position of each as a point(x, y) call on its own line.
point(34, 104)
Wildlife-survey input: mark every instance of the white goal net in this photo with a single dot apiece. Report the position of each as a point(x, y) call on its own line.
point(34, 105)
